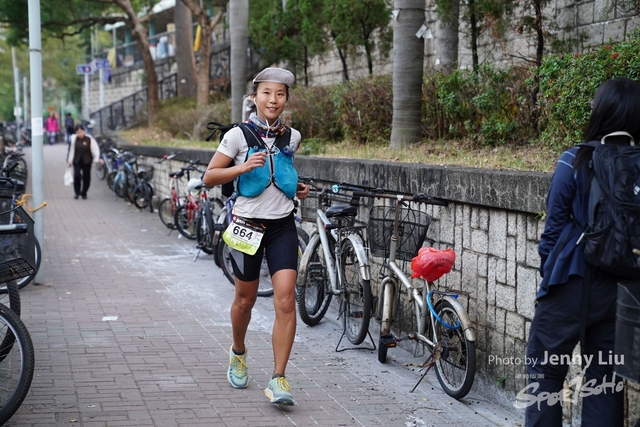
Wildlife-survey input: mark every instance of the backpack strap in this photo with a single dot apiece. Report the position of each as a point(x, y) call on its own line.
point(250, 134)
point(214, 127)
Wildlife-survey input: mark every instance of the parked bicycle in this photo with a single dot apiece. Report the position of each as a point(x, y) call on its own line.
point(11, 196)
point(17, 362)
point(442, 324)
point(208, 211)
point(142, 192)
point(335, 262)
point(118, 180)
point(16, 348)
point(108, 155)
point(169, 206)
point(14, 160)
point(185, 216)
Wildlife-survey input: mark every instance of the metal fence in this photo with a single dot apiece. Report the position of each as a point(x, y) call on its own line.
point(129, 110)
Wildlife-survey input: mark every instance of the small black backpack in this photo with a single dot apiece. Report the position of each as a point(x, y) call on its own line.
point(251, 136)
point(613, 228)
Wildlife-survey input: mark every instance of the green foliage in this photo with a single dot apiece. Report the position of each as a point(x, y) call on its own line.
point(314, 113)
point(490, 106)
point(313, 146)
point(58, 74)
point(182, 120)
point(569, 82)
point(365, 108)
point(353, 24)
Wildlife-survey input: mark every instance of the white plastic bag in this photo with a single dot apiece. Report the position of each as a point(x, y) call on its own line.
point(68, 176)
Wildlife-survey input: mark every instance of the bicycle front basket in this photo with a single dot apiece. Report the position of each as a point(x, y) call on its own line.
point(145, 170)
point(412, 230)
point(17, 250)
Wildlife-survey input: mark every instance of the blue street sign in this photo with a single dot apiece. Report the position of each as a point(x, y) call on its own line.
point(84, 69)
point(102, 64)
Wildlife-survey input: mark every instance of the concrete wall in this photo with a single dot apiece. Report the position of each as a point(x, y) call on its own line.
point(493, 223)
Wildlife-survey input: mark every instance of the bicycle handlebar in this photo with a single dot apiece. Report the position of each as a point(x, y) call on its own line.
point(7, 171)
point(169, 156)
point(420, 198)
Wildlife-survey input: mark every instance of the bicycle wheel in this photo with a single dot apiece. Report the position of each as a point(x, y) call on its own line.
point(17, 365)
point(220, 224)
point(10, 296)
point(38, 258)
point(205, 218)
point(101, 171)
point(314, 293)
point(142, 195)
point(120, 184)
point(456, 366)
point(204, 229)
point(110, 178)
point(185, 222)
point(356, 296)
point(224, 257)
point(130, 185)
point(167, 213)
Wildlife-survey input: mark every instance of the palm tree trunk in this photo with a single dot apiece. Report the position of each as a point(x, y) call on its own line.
point(184, 51)
point(408, 58)
point(239, 31)
point(447, 39)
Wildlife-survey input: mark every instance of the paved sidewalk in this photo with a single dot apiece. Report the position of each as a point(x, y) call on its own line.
point(131, 330)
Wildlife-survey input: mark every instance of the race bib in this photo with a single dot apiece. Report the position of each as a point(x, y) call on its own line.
point(243, 235)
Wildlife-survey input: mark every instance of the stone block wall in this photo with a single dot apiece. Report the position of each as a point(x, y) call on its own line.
point(493, 223)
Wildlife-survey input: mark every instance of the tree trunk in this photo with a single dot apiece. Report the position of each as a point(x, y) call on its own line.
point(447, 39)
point(184, 51)
point(475, 34)
point(139, 33)
point(239, 32)
point(408, 58)
point(204, 64)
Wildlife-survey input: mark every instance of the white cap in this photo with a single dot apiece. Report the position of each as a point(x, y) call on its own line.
point(275, 75)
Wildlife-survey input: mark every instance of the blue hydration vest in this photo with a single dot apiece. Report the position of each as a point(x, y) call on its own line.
point(278, 168)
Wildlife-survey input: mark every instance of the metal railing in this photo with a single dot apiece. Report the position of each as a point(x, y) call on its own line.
point(129, 110)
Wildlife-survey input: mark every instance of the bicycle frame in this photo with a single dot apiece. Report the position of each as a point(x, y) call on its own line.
point(418, 296)
point(332, 257)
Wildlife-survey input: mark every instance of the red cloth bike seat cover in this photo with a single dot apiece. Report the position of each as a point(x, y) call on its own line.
point(431, 263)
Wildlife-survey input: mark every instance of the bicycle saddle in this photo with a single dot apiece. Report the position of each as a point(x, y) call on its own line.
point(341, 210)
point(178, 174)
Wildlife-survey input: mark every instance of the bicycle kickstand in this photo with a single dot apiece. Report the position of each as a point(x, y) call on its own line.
point(433, 358)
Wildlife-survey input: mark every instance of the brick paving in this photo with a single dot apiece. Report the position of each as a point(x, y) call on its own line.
point(130, 329)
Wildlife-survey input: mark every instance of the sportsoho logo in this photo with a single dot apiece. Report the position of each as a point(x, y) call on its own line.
point(577, 389)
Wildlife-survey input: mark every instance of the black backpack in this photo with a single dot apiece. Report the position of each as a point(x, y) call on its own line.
point(613, 228)
point(251, 136)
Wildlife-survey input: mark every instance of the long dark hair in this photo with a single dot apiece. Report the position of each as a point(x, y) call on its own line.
point(615, 107)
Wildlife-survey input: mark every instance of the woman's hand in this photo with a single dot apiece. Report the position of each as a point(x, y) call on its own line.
point(302, 191)
point(256, 160)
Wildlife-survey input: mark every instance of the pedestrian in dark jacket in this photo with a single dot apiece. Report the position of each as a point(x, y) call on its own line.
point(83, 151)
point(556, 326)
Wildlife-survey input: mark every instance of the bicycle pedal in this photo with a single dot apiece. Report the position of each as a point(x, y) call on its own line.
point(388, 340)
point(315, 269)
